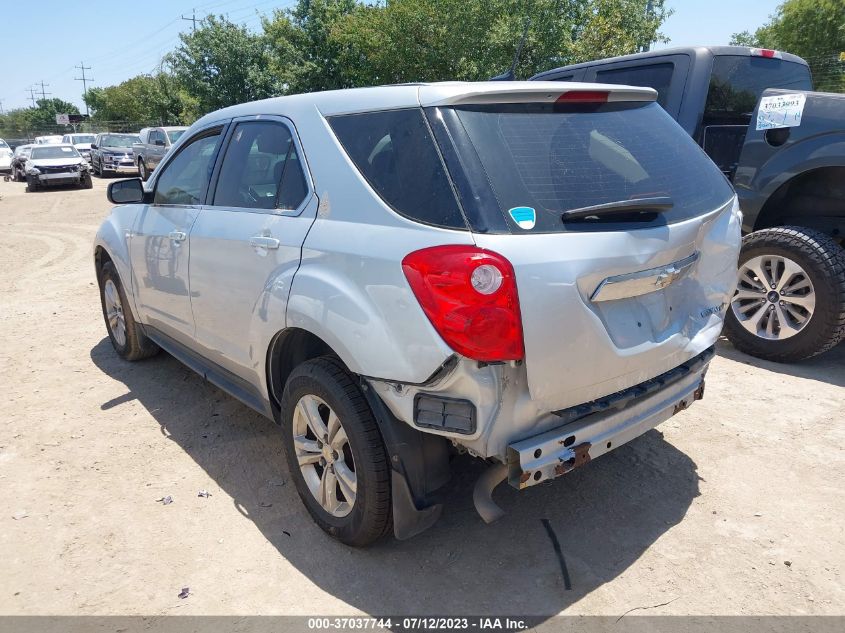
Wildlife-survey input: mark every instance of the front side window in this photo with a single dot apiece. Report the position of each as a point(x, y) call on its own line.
point(261, 169)
point(174, 135)
point(184, 179)
point(657, 76)
point(394, 151)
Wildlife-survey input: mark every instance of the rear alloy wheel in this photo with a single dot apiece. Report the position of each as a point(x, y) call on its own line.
point(790, 298)
point(335, 453)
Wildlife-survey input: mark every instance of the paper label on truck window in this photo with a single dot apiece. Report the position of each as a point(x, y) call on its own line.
point(780, 111)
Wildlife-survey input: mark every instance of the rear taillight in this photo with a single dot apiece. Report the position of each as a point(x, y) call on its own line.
point(470, 297)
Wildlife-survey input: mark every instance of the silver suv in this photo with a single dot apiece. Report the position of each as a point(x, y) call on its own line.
point(532, 273)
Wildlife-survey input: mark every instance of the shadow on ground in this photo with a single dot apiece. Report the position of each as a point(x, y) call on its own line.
point(604, 515)
point(828, 367)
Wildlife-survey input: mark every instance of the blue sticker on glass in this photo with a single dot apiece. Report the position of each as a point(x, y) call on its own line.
point(525, 217)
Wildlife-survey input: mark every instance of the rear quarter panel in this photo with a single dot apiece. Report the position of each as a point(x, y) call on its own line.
point(819, 141)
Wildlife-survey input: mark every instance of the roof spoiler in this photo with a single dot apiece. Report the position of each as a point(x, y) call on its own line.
point(535, 92)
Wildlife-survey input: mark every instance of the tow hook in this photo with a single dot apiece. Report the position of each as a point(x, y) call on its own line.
point(482, 494)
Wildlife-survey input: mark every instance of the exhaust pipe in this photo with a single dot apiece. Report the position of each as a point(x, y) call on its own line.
point(482, 494)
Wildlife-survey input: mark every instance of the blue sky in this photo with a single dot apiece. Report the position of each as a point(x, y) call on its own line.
point(122, 39)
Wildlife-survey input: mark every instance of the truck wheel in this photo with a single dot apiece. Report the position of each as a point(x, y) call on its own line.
point(790, 299)
point(142, 170)
point(128, 340)
point(335, 453)
point(86, 181)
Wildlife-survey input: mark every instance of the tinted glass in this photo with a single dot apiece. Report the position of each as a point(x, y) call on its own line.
point(396, 154)
point(260, 169)
point(60, 151)
point(185, 178)
point(737, 82)
point(156, 135)
point(555, 159)
point(657, 76)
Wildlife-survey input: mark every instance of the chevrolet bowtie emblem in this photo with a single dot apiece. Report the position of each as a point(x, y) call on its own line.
point(666, 277)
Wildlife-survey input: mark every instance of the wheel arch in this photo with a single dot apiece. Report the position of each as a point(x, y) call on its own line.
point(815, 198)
point(288, 349)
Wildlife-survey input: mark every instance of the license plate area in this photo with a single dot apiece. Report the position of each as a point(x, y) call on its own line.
point(549, 455)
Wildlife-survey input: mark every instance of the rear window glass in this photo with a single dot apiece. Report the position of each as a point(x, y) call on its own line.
point(394, 151)
point(554, 161)
point(657, 76)
point(737, 82)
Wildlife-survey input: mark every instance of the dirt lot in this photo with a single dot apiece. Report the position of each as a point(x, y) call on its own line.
point(733, 507)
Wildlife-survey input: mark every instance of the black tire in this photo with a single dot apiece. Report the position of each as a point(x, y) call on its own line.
point(370, 518)
point(98, 171)
point(823, 259)
point(31, 184)
point(137, 345)
point(142, 170)
point(86, 182)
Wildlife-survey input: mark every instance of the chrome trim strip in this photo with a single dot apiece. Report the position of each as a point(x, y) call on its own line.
point(643, 281)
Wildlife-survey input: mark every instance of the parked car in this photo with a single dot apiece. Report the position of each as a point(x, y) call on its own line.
point(5, 157)
point(82, 143)
point(54, 139)
point(154, 143)
point(529, 272)
point(783, 151)
point(49, 165)
point(19, 158)
point(112, 153)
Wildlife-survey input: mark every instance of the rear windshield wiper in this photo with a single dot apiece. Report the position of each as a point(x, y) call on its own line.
point(620, 207)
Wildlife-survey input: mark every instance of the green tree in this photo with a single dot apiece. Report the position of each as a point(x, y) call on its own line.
point(142, 100)
point(305, 56)
point(38, 120)
point(324, 44)
point(221, 64)
point(812, 29)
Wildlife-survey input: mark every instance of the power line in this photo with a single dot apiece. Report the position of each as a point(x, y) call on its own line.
point(84, 81)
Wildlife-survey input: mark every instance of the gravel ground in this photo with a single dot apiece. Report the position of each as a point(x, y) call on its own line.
point(732, 507)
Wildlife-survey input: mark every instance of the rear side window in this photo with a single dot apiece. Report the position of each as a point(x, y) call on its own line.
point(554, 160)
point(657, 76)
point(261, 169)
point(394, 151)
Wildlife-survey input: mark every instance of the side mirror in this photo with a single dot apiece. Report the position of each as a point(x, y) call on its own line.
point(129, 191)
point(93, 146)
point(158, 142)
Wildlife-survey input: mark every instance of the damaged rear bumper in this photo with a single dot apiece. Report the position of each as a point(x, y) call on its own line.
point(599, 427)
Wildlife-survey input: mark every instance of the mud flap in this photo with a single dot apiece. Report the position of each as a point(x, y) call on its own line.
point(419, 465)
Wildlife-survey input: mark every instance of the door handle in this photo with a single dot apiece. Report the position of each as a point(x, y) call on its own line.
point(177, 236)
point(262, 241)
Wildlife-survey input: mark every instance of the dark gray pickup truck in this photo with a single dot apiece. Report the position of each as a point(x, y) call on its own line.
point(783, 148)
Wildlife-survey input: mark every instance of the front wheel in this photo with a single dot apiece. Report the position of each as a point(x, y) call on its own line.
point(31, 184)
point(142, 170)
point(335, 452)
point(789, 303)
point(126, 337)
point(85, 181)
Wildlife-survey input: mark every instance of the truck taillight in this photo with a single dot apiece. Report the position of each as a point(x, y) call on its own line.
point(470, 297)
point(766, 52)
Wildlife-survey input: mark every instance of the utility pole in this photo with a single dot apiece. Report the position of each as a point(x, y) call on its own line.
point(649, 12)
point(84, 81)
point(32, 95)
point(1, 108)
point(44, 94)
point(192, 19)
